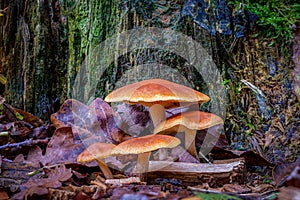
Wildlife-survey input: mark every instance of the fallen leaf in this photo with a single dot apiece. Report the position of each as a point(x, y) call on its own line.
point(212, 136)
point(61, 149)
point(294, 178)
point(39, 186)
point(96, 122)
point(236, 189)
point(3, 195)
point(181, 155)
point(29, 118)
point(251, 158)
point(284, 172)
point(12, 114)
point(135, 119)
point(289, 193)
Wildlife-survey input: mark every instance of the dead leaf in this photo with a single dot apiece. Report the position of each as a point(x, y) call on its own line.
point(11, 114)
point(29, 118)
point(251, 158)
point(218, 138)
point(181, 155)
point(96, 122)
point(39, 186)
point(289, 193)
point(3, 195)
point(61, 149)
point(236, 189)
point(294, 178)
point(284, 172)
point(135, 119)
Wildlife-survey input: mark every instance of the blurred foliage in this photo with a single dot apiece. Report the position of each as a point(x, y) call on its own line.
point(212, 196)
point(275, 17)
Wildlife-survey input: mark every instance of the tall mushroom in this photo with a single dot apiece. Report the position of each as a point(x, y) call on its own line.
point(143, 147)
point(188, 122)
point(158, 94)
point(97, 151)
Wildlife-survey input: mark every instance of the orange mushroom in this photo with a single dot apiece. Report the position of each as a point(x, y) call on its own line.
point(98, 151)
point(158, 94)
point(188, 122)
point(143, 147)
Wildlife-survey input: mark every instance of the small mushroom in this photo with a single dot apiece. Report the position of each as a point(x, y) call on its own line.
point(143, 147)
point(98, 151)
point(188, 122)
point(157, 94)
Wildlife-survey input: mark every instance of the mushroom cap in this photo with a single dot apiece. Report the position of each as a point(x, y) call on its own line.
point(157, 91)
point(193, 120)
point(145, 144)
point(96, 151)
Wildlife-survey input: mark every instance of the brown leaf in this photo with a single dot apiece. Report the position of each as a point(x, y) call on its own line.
point(12, 114)
point(287, 174)
point(61, 149)
point(96, 122)
point(39, 186)
point(135, 119)
point(215, 132)
point(30, 118)
point(3, 195)
point(237, 189)
point(251, 157)
point(289, 193)
point(183, 155)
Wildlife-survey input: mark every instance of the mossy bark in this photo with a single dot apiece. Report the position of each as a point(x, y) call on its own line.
point(34, 55)
point(44, 43)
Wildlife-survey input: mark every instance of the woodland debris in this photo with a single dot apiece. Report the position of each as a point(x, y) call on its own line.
point(39, 186)
point(251, 158)
point(286, 172)
point(96, 122)
point(135, 119)
point(232, 171)
point(13, 174)
point(26, 143)
point(123, 181)
point(3, 195)
point(289, 193)
point(296, 57)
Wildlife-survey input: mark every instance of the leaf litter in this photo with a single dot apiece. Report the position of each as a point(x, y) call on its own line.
point(49, 168)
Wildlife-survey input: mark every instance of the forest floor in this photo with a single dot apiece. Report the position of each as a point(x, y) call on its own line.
point(39, 160)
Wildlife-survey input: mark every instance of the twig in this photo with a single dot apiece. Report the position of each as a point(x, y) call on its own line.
point(28, 142)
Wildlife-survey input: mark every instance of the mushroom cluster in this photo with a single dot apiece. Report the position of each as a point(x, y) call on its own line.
point(158, 95)
point(142, 146)
point(189, 123)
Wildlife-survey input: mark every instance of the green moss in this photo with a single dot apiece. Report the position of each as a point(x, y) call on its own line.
point(275, 17)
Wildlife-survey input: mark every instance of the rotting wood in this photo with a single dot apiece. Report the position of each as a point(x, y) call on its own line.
point(229, 171)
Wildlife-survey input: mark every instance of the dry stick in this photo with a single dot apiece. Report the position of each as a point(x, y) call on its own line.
point(25, 143)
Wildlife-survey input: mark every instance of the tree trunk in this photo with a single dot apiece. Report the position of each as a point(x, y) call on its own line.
point(45, 43)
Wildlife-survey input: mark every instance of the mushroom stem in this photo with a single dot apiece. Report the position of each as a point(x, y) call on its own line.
point(190, 136)
point(157, 113)
point(105, 170)
point(142, 165)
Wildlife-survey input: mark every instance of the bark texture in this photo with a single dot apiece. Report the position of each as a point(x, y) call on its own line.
point(44, 43)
